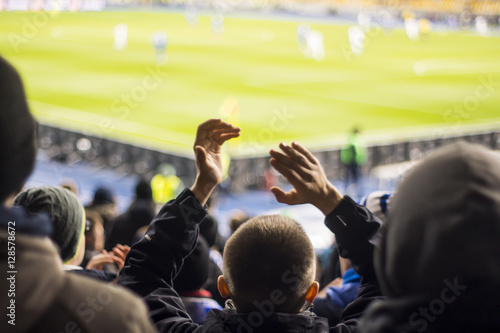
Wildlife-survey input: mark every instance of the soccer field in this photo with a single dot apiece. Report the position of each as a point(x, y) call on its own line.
point(254, 72)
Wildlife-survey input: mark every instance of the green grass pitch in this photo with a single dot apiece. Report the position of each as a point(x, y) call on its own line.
point(398, 87)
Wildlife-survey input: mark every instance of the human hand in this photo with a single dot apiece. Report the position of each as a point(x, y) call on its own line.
point(98, 261)
point(307, 176)
point(119, 254)
point(210, 137)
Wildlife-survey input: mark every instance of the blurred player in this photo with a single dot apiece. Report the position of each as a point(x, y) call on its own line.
point(357, 40)
point(120, 32)
point(191, 15)
point(482, 25)
point(159, 39)
point(217, 23)
point(412, 28)
point(315, 47)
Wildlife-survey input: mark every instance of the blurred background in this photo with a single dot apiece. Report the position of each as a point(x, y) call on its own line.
point(371, 86)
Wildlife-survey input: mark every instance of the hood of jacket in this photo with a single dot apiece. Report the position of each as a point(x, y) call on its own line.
point(439, 251)
point(33, 291)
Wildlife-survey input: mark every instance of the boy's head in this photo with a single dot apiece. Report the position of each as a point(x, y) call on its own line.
point(17, 133)
point(269, 258)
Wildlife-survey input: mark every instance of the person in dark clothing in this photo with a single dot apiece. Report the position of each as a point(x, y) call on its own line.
point(191, 281)
point(155, 260)
point(438, 262)
point(139, 214)
point(333, 299)
point(353, 156)
point(46, 298)
point(104, 204)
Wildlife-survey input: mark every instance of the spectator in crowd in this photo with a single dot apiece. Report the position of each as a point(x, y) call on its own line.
point(438, 259)
point(139, 214)
point(68, 218)
point(104, 204)
point(46, 298)
point(378, 203)
point(105, 265)
point(332, 300)
point(191, 280)
point(94, 236)
point(353, 156)
point(269, 263)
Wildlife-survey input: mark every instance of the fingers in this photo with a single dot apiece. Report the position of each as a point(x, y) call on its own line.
point(284, 197)
point(224, 135)
point(217, 130)
point(294, 154)
point(118, 261)
point(288, 163)
point(305, 152)
point(119, 253)
point(289, 173)
point(217, 125)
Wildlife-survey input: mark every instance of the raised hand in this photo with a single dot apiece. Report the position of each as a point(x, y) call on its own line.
point(307, 176)
point(210, 137)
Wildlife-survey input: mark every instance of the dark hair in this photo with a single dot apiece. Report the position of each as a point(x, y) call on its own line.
point(17, 133)
point(267, 255)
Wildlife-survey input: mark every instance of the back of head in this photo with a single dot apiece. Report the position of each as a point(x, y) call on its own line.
point(444, 225)
point(143, 190)
point(103, 196)
point(17, 133)
point(66, 213)
point(269, 258)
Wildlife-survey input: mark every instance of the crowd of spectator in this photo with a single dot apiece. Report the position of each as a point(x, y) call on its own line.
point(424, 259)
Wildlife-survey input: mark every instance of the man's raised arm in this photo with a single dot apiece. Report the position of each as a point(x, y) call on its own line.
point(352, 224)
point(157, 258)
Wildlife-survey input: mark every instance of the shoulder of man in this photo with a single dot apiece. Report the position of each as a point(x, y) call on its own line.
point(99, 307)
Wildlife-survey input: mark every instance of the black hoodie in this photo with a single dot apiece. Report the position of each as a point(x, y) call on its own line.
point(439, 258)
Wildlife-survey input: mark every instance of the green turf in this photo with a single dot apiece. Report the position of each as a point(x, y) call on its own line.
point(75, 79)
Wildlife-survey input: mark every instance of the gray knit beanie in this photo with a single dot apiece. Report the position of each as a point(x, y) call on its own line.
point(66, 212)
point(17, 133)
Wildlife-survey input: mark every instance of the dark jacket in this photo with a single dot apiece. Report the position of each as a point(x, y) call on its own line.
point(155, 260)
point(438, 261)
point(48, 299)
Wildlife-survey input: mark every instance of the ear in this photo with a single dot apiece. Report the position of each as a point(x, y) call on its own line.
point(222, 287)
point(312, 292)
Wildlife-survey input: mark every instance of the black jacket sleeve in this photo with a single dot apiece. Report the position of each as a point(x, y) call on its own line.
point(354, 226)
point(156, 259)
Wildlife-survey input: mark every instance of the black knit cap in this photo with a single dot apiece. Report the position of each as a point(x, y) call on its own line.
point(17, 132)
point(66, 212)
